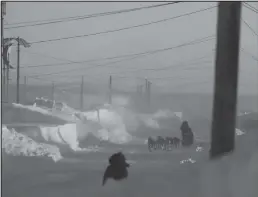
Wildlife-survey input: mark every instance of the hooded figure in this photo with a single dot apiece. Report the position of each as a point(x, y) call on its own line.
point(187, 134)
point(117, 168)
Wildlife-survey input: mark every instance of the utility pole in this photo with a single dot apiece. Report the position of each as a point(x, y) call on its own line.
point(25, 89)
point(226, 79)
point(18, 72)
point(3, 12)
point(257, 40)
point(7, 81)
point(110, 90)
point(139, 93)
point(82, 94)
point(53, 91)
point(149, 92)
point(146, 89)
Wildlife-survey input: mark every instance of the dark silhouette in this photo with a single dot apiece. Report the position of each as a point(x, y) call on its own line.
point(156, 143)
point(151, 143)
point(117, 168)
point(187, 134)
point(45, 103)
point(163, 143)
point(172, 142)
point(176, 142)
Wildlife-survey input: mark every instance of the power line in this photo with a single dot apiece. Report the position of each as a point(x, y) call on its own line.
point(168, 77)
point(248, 6)
point(48, 56)
point(178, 65)
point(187, 67)
point(102, 65)
point(252, 56)
point(56, 58)
point(124, 28)
point(188, 82)
point(39, 79)
point(82, 17)
point(55, 82)
point(196, 41)
point(190, 66)
point(95, 14)
point(70, 70)
point(187, 64)
point(191, 83)
point(69, 61)
point(249, 27)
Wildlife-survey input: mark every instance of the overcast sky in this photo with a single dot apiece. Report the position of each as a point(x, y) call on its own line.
point(187, 77)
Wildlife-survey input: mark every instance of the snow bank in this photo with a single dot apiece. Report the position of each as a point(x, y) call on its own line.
point(16, 144)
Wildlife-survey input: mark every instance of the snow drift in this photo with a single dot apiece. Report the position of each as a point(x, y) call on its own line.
point(15, 144)
point(111, 123)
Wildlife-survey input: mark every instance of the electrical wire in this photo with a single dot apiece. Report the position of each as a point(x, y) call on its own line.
point(249, 54)
point(190, 64)
point(82, 17)
point(249, 27)
point(196, 41)
point(178, 65)
point(124, 28)
point(52, 57)
point(77, 69)
point(248, 6)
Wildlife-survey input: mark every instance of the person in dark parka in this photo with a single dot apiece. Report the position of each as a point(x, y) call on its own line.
point(117, 168)
point(187, 134)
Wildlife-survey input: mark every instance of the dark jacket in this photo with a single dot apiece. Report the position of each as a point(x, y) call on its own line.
point(187, 134)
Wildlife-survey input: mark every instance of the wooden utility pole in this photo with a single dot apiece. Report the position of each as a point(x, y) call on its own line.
point(18, 72)
point(226, 79)
point(53, 91)
point(3, 68)
point(7, 80)
point(110, 90)
point(146, 84)
point(257, 39)
point(25, 89)
point(146, 89)
point(82, 94)
point(149, 92)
